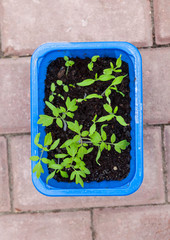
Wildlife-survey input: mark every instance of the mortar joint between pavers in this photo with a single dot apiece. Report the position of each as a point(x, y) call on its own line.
point(153, 22)
point(92, 225)
point(164, 163)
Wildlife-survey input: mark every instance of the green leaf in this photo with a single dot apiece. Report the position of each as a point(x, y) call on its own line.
point(86, 170)
point(71, 105)
point(36, 139)
point(121, 120)
point(79, 180)
point(113, 138)
point(38, 169)
point(76, 138)
point(108, 108)
point(69, 114)
point(115, 110)
point(59, 95)
point(118, 80)
point(90, 66)
point(107, 71)
point(72, 150)
point(121, 145)
point(45, 120)
point(66, 58)
point(102, 146)
point(98, 156)
point(59, 82)
point(74, 126)
point(106, 77)
point(63, 110)
point(50, 176)
point(95, 137)
point(119, 62)
point(52, 87)
point(106, 118)
point(65, 88)
point(86, 82)
point(67, 143)
point(93, 96)
point(111, 65)
point(64, 174)
point(72, 176)
point(62, 155)
point(108, 147)
point(45, 160)
point(48, 139)
point(55, 166)
point(81, 152)
point(107, 92)
point(51, 98)
point(94, 58)
point(34, 158)
point(103, 133)
point(89, 150)
point(59, 122)
point(92, 129)
point(84, 133)
point(55, 144)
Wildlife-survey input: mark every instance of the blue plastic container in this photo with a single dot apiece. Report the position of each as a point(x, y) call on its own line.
point(39, 63)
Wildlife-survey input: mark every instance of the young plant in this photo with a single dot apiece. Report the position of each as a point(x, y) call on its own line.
point(60, 83)
point(68, 63)
point(93, 60)
point(51, 97)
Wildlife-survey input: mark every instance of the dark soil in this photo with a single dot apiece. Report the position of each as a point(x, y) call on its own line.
point(114, 166)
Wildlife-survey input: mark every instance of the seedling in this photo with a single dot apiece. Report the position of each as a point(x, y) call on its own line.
point(68, 63)
point(93, 60)
point(70, 154)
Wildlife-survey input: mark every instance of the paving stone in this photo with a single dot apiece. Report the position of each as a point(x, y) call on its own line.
point(14, 95)
point(162, 21)
point(27, 24)
point(167, 157)
point(28, 198)
point(156, 87)
point(142, 223)
point(65, 226)
point(4, 182)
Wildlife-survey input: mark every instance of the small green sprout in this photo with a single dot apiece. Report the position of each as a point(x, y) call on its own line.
point(93, 60)
point(60, 83)
point(51, 97)
point(68, 63)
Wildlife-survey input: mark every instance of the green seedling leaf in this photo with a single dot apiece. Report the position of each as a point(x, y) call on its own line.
point(52, 87)
point(69, 63)
point(108, 108)
point(69, 114)
point(34, 158)
point(98, 156)
point(95, 137)
point(106, 77)
point(51, 98)
point(118, 62)
point(71, 105)
point(113, 138)
point(54, 110)
point(64, 174)
point(121, 145)
point(107, 71)
point(94, 58)
point(72, 176)
point(79, 180)
point(111, 65)
point(106, 118)
point(118, 80)
point(93, 96)
point(86, 170)
point(76, 138)
point(55, 166)
point(62, 155)
point(84, 133)
point(90, 66)
point(72, 149)
point(115, 110)
point(92, 129)
point(74, 126)
point(46, 160)
point(103, 133)
point(81, 152)
point(89, 150)
point(50, 176)
point(66, 58)
point(86, 82)
point(108, 147)
point(59, 122)
point(65, 88)
point(48, 139)
point(107, 92)
point(67, 143)
point(59, 95)
point(45, 120)
point(59, 82)
point(55, 144)
point(36, 139)
point(121, 120)
point(38, 169)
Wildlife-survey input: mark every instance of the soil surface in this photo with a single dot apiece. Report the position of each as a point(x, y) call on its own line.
point(114, 166)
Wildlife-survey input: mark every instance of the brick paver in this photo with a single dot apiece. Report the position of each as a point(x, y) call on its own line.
point(65, 226)
point(27, 24)
point(27, 197)
point(167, 157)
point(4, 186)
point(156, 87)
point(14, 95)
point(142, 223)
point(162, 21)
